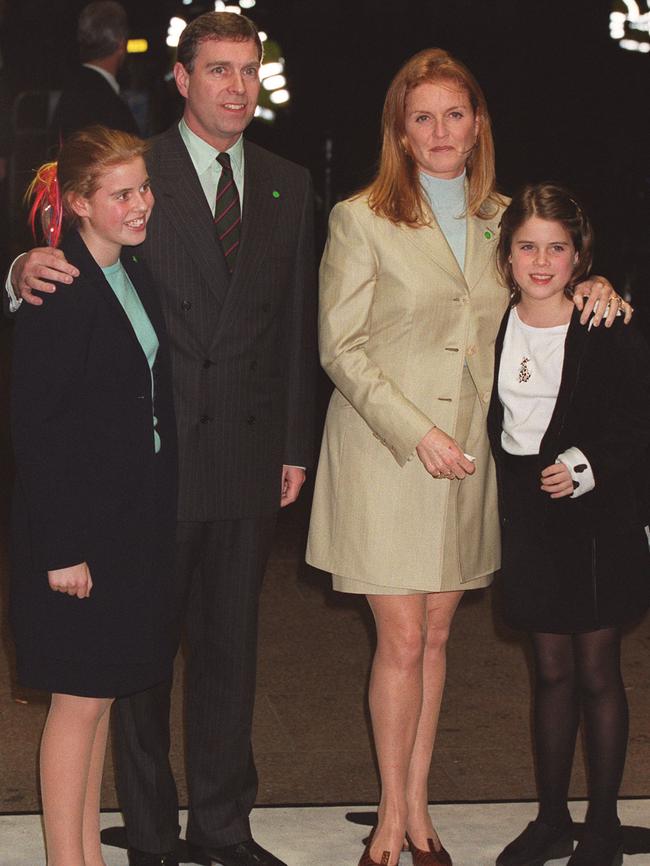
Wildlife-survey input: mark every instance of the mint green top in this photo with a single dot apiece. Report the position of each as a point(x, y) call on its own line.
point(120, 282)
point(447, 200)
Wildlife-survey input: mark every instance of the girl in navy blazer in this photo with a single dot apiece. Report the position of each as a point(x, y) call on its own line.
point(94, 505)
point(569, 424)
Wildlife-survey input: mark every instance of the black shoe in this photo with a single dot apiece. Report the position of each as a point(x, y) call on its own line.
point(144, 858)
point(596, 850)
point(247, 853)
point(538, 843)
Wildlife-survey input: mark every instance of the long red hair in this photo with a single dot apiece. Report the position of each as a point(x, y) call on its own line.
point(396, 192)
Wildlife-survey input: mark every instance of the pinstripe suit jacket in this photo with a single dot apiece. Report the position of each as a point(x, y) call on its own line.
point(243, 347)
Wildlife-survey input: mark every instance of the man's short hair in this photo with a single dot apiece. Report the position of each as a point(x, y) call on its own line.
point(103, 27)
point(226, 26)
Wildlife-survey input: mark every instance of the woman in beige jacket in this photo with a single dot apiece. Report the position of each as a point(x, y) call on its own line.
point(405, 507)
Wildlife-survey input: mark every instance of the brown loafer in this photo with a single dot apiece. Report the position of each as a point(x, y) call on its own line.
point(430, 857)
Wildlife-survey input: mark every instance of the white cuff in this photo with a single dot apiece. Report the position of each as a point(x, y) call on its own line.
point(14, 302)
point(580, 470)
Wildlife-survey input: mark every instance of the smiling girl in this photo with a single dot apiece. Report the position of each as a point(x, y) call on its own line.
point(569, 425)
point(94, 503)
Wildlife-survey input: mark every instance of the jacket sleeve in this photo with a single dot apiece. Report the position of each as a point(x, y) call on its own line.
point(299, 335)
point(620, 442)
point(348, 276)
point(47, 422)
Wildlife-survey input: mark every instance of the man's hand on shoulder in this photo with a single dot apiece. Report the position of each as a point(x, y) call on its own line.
point(33, 271)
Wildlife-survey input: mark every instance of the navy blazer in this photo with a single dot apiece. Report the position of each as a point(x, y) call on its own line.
point(602, 408)
point(86, 486)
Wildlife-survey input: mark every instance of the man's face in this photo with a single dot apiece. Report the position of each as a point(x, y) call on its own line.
point(221, 92)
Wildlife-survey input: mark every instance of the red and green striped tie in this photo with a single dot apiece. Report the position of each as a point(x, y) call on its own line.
point(227, 212)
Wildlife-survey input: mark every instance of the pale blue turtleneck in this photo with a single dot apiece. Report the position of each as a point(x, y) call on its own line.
point(447, 200)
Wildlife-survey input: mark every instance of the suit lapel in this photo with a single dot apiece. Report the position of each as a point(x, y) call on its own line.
point(142, 283)
point(179, 192)
point(431, 242)
point(480, 248)
point(259, 214)
point(574, 348)
point(495, 412)
point(76, 252)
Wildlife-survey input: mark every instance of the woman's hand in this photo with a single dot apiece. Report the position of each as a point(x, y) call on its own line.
point(556, 480)
point(442, 457)
point(74, 580)
point(598, 290)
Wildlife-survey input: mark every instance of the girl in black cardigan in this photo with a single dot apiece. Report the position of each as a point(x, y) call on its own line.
point(569, 425)
point(94, 504)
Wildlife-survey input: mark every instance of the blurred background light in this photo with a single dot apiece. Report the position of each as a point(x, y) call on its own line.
point(630, 26)
point(265, 113)
point(176, 27)
point(279, 97)
point(274, 82)
point(137, 46)
point(271, 68)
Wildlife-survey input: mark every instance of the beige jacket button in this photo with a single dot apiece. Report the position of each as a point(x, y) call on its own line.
point(486, 397)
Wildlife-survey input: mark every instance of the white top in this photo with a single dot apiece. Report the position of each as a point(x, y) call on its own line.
point(447, 200)
point(529, 381)
point(530, 373)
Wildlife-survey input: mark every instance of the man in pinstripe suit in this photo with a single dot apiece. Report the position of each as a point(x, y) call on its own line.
point(242, 333)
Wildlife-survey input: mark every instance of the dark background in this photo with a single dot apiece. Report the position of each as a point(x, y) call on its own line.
point(566, 102)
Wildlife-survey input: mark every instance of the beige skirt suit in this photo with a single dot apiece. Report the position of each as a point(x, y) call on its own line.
point(408, 340)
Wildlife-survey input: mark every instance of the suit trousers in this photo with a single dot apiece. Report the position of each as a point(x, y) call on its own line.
point(219, 565)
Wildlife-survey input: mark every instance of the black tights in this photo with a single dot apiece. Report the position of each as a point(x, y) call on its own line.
point(574, 671)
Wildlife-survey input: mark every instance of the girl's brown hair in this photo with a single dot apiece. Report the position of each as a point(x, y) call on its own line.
point(552, 202)
point(396, 192)
point(82, 160)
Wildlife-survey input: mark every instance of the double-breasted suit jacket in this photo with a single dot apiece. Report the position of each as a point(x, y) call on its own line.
point(242, 346)
point(399, 321)
point(89, 487)
point(243, 359)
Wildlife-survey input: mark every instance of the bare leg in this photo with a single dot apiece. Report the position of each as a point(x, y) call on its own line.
point(65, 760)
point(90, 832)
point(440, 610)
point(395, 704)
